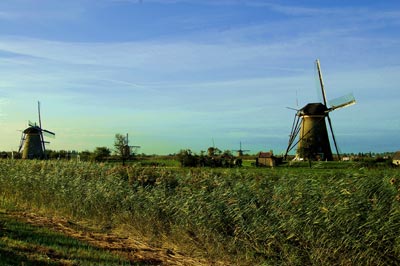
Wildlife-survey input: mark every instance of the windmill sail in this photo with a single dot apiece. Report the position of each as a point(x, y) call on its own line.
point(342, 102)
point(321, 81)
point(48, 133)
point(32, 124)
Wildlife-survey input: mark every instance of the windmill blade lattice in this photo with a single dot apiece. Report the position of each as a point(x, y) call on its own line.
point(342, 102)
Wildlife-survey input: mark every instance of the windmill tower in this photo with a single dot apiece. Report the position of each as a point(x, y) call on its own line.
point(309, 124)
point(32, 142)
point(240, 151)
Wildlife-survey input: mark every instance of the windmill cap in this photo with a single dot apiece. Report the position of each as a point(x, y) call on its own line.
point(313, 109)
point(32, 130)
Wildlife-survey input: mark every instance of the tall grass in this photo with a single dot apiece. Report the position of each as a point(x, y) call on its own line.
point(266, 217)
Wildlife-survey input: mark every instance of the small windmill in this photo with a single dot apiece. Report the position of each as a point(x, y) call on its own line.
point(32, 142)
point(127, 150)
point(213, 151)
point(240, 151)
point(309, 124)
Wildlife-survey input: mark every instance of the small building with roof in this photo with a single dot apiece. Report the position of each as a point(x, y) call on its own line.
point(396, 158)
point(266, 159)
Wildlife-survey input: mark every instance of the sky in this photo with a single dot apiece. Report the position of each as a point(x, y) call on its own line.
point(184, 74)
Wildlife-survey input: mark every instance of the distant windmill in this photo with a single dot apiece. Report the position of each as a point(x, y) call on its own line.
point(212, 151)
point(309, 123)
point(130, 149)
point(32, 142)
point(240, 151)
point(127, 150)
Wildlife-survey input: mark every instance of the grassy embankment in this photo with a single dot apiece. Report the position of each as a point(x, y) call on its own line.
point(295, 216)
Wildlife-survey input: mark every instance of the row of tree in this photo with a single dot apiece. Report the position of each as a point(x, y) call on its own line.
point(214, 158)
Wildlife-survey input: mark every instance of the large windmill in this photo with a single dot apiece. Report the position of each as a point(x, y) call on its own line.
point(309, 124)
point(32, 141)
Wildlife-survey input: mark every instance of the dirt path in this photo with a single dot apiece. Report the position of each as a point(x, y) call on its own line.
point(132, 249)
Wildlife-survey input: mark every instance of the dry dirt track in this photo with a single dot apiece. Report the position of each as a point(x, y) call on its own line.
point(132, 249)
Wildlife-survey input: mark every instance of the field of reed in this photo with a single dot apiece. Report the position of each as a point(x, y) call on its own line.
point(247, 216)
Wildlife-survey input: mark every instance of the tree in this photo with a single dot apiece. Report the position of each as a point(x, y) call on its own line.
point(101, 153)
point(85, 155)
point(186, 158)
point(212, 151)
point(122, 148)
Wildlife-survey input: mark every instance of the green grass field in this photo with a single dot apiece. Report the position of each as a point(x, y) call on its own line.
point(330, 214)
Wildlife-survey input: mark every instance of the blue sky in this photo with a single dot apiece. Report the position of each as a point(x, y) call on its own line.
point(178, 74)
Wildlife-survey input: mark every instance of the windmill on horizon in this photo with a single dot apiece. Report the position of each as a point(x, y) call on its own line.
point(309, 124)
point(32, 142)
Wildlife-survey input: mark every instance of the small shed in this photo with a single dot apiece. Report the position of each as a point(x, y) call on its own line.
point(266, 159)
point(396, 158)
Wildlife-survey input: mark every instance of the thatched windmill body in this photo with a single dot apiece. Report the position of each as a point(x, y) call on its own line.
point(311, 129)
point(32, 142)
